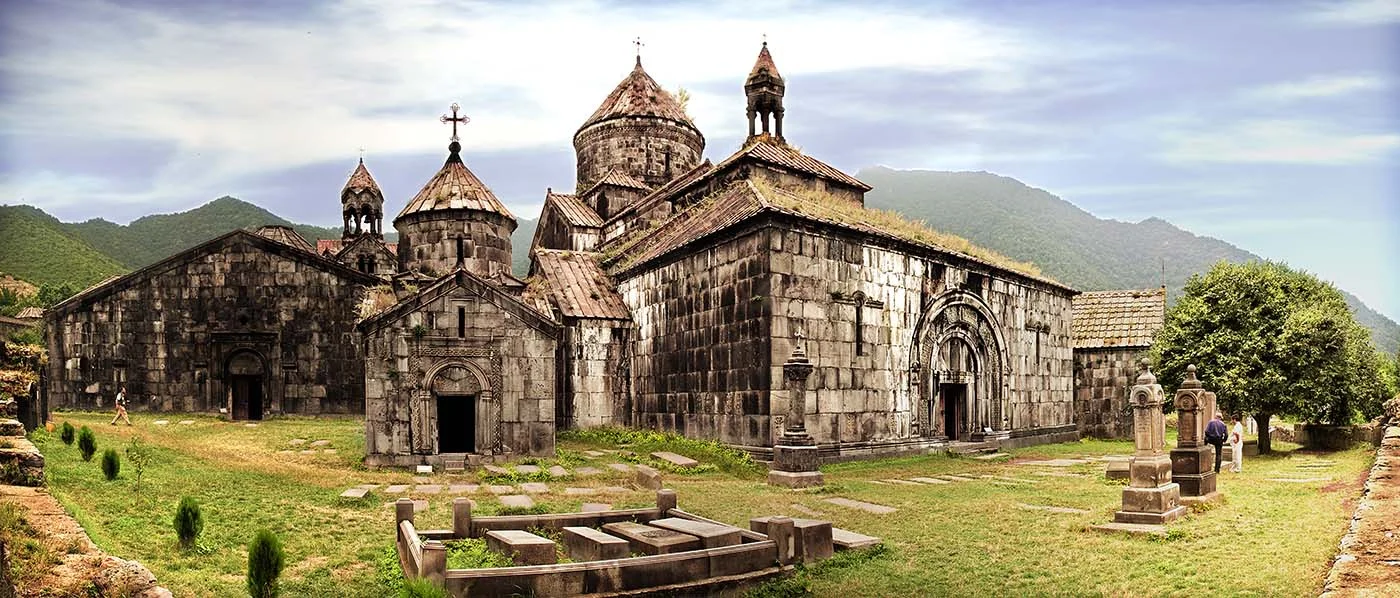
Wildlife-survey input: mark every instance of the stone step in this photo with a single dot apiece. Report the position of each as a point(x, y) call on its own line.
point(847, 540)
point(354, 493)
point(556, 471)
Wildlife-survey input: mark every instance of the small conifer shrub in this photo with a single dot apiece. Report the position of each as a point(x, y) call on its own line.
point(87, 443)
point(111, 464)
point(66, 433)
point(265, 559)
point(189, 521)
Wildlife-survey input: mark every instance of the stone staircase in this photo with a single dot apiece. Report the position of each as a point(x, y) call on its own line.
point(20, 463)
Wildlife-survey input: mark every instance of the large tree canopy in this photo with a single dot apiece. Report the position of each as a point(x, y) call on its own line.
point(1270, 340)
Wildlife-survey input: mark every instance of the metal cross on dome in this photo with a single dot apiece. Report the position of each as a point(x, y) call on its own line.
point(638, 42)
point(454, 119)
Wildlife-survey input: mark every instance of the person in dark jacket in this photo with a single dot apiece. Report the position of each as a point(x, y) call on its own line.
point(1215, 436)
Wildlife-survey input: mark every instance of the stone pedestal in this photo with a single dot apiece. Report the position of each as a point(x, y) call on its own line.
point(1193, 461)
point(795, 459)
point(1151, 497)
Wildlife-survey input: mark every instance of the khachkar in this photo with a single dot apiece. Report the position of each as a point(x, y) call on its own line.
point(1193, 460)
point(795, 454)
point(1151, 496)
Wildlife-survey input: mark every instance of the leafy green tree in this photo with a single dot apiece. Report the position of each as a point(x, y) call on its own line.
point(1270, 340)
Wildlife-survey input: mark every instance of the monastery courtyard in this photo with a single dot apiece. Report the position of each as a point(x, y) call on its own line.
point(1014, 523)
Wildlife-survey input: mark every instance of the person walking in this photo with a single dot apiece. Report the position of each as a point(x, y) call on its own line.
point(1215, 436)
point(1236, 445)
point(121, 408)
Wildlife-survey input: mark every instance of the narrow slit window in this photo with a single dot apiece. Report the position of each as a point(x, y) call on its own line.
point(461, 322)
point(460, 245)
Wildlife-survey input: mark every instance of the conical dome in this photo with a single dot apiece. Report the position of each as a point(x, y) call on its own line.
point(764, 67)
point(454, 187)
point(455, 222)
point(639, 95)
point(360, 183)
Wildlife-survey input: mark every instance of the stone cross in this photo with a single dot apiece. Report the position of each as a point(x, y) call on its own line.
point(796, 371)
point(1149, 425)
point(454, 119)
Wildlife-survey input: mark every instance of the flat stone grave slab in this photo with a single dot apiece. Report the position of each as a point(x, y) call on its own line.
point(396, 489)
point(956, 478)
point(1298, 480)
point(250, 425)
point(463, 488)
point(594, 454)
point(803, 509)
point(992, 456)
point(711, 535)
point(846, 540)
point(534, 487)
point(652, 540)
point(902, 482)
point(354, 493)
point(527, 469)
point(932, 481)
point(860, 506)
point(1017, 480)
point(588, 471)
point(162, 422)
point(623, 467)
point(1141, 529)
point(308, 452)
point(519, 501)
point(879, 482)
point(556, 471)
point(594, 507)
point(613, 490)
point(320, 443)
point(329, 451)
point(186, 422)
point(284, 452)
point(501, 489)
point(496, 469)
point(1054, 463)
point(1058, 474)
point(524, 548)
point(580, 491)
point(429, 488)
point(421, 480)
point(588, 544)
point(674, 459)
point(1050, 509)
point(297, 441)
point(370, 487)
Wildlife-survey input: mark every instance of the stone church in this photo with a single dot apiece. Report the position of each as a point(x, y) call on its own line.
point(665, 292)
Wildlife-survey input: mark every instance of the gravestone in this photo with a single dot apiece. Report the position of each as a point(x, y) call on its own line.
point(712, 535)
point(795, 453)
point(1193, 461)
point(524, 548)
point(1151, 497)
point(588, 544)
point(652, 540)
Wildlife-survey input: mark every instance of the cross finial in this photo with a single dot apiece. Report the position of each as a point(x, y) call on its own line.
point(765, 40)
point(454, 119)
point(638, 42)
point(362, 154)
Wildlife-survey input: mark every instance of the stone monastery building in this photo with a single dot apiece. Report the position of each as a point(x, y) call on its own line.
point(665, 292)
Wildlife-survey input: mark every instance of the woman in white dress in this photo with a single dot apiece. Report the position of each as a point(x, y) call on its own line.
point(1237, 445)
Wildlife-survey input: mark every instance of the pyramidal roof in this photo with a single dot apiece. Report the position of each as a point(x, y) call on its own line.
point(360, 180)
point(454, 187)
point(639, 95)
point(764, 63)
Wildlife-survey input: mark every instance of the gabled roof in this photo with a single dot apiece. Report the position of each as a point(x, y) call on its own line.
point(639, 95)
point(363, 239)
point(577, 286)
point(116, 283)
point(574, 210)
point(1118, 318)
point(765, 149)
point(618, 178)
point(286, 236)
point(660, 193)
point(333, 246)
point(461, 278)
point(360, 181)
point(31, 313)
point(454, 187)
point(746, 198)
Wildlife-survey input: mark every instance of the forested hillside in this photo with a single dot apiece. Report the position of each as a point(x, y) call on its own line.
point(35, 248)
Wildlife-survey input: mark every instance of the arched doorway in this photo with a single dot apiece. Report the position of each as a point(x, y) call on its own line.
point(246, 376)
point(962, 386)
point(456, 393)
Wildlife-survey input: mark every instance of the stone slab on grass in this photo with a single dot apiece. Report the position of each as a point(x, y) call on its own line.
point(370, 487)
point(902, 482)
point(320, 443)
point(556, 471)
point(1017, 480)
point(396, 489)
point(588, 544)
point(162, 422)
point(1050, 509)
point(674, 459)
point(186, 422)
point(496, 469)
point(992, 456)
point(354, 493)
point(860, 505)
point(623, 467)
point(519, 501)
point(652, 540)
point(297, 441)
point(613, 490)
point(956, 478)
point(429, 488)
point(580, 491)
point(463, 488)
point(1137, 529)
point(524, 548)
point(930, 481)
point(1054, 463)
point(847, 540)
point(534, 488)
point(329, 451)
point(805, 510)
point(594, 454)
point(1298, 480)
point(712, 535)
point(501, 489)
point(588, 471)
point(527, 469)
point(594, 507)
point(308, 452)
point(421, 480)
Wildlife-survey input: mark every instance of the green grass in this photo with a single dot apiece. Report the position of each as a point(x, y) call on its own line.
point(955, 539)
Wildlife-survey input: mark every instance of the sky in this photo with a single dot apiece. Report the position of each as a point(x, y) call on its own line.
point(1271, 124)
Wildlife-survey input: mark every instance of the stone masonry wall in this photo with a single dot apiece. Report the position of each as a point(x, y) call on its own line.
point(700, 351)
point(429, 240)
point(555, 232)
point(169, 337)
point(509, 367)
point(385, 263)
point(1102, 379)
point(640, 147)
point(596, 381)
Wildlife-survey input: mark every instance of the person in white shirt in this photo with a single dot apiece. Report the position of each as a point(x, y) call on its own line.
point(121, 408)
point(1237, 445)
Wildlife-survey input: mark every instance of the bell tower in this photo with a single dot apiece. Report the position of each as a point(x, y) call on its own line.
point(764, 89)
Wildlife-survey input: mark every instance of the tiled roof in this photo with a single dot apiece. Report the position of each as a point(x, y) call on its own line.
point(455, 188)
point(333, 246)
point(575, 283)
point(286, 236)
point(639, 95)
point(731, 205)
point(31, 313)
point(618, 179)
point(765, 63)
point(360, 181)
point(664, 191)
point(574, 210)
point(1118, 318)
point(764, 149)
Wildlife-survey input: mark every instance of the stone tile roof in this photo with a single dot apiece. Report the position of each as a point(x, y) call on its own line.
point(360, 181)
point(1118, 318)
point(574, 210)
point(617, 178)
point(286, 236)
point(765, 63)
point(31, 313)
point(639, 95)
point(664, 191)
point(764, 149)
point(454, 187)
point(745, 199)
point(576, 285)
point(333, 246)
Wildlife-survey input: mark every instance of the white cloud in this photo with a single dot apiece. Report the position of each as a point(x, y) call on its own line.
point(1324, 86)
point(1277, 141)
point(1356, 12)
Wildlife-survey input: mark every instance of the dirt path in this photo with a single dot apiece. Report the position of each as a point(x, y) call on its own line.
point(1369, 564)
point(81, 566)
